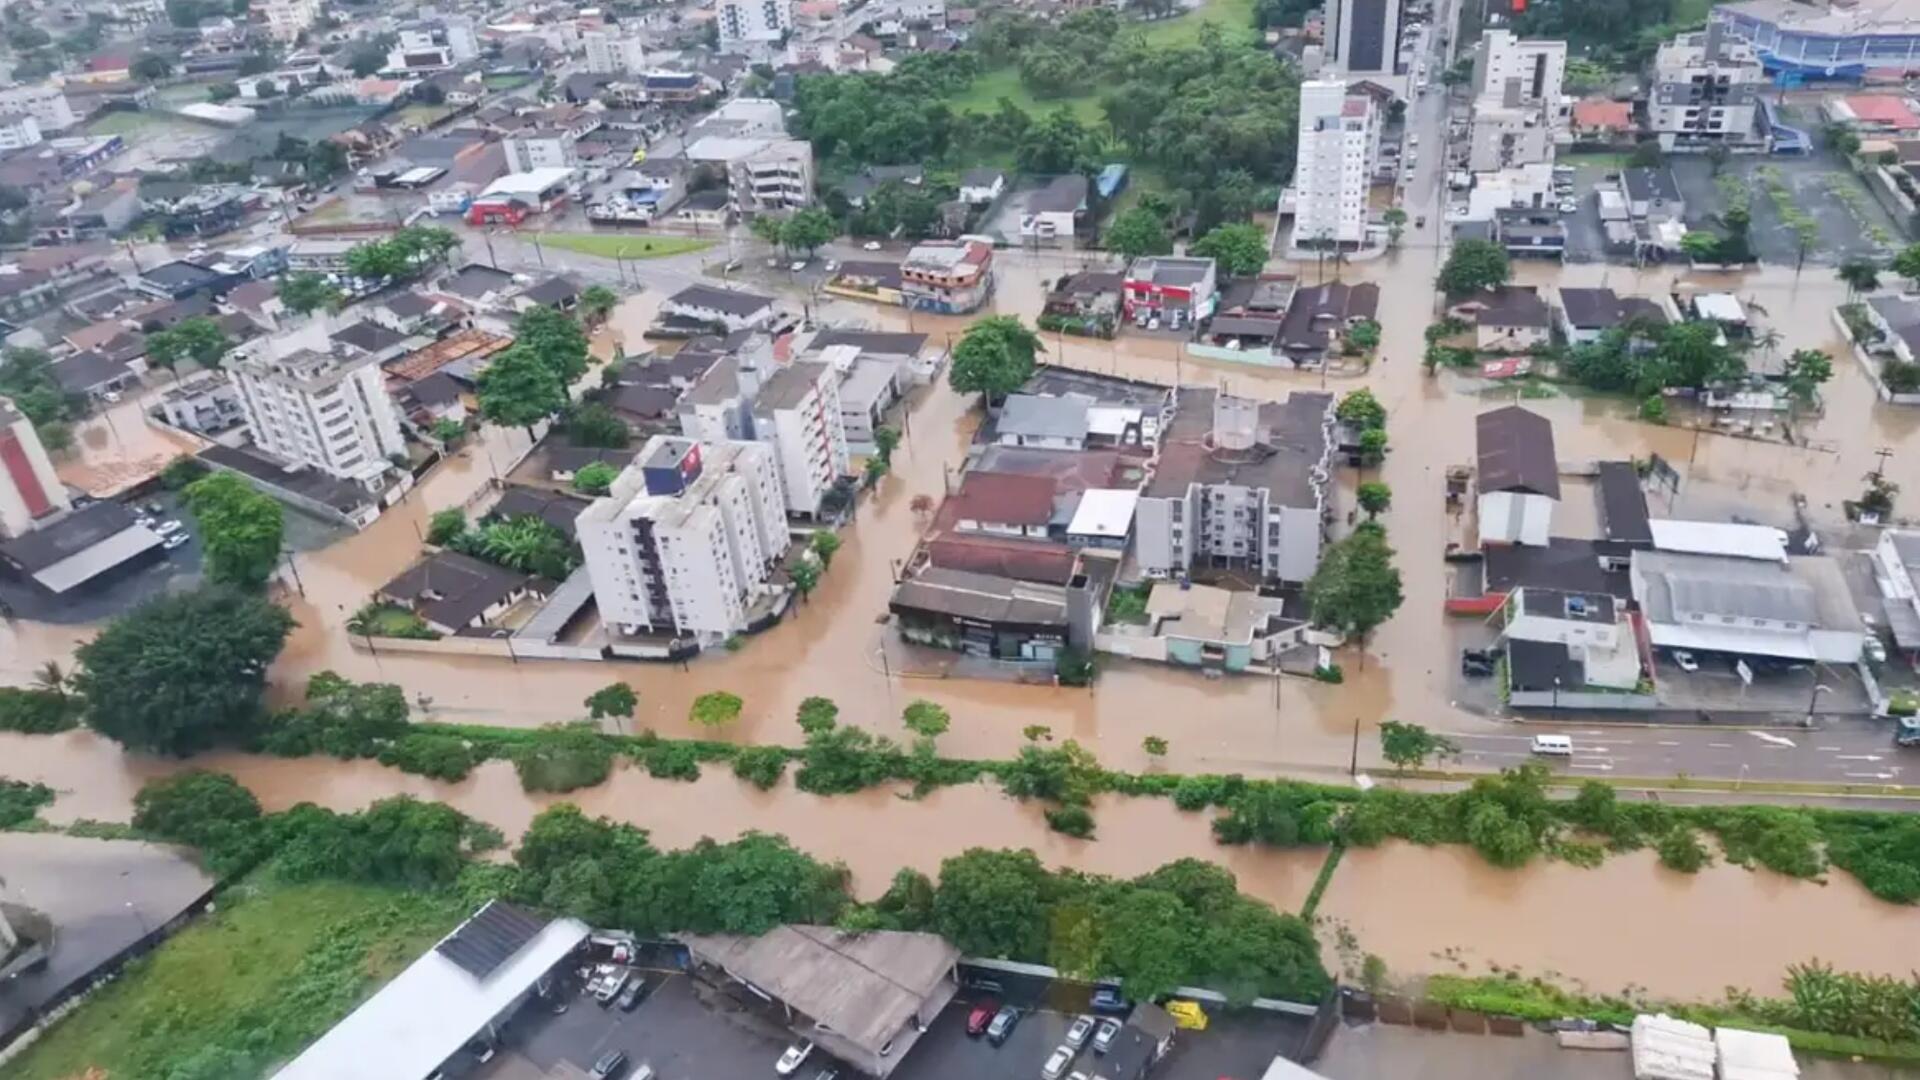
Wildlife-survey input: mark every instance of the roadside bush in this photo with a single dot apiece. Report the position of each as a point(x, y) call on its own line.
point(1196, 792)
point(442, 757)
point(37, 712)
point(398, 841)
point(342, 718)
point(1680, 849)
point(761, 766)
point(1072, 820)
point(1783, 840)
point(564, 758)
point(20, 802)
point(842, 759)
point(206, 810)
point(1883, 851)
point(671, 761)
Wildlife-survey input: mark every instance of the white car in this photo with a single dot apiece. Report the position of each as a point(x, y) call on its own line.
point(871, 245)
point(1103, 1039)
point(1876, 650)
point(174, 541)
point(1057, 1062)
point(791, 1061)
point(1568, 206)
point(167, 528)
point(1077, 1034)
point(798, 265)
point(1685, 660)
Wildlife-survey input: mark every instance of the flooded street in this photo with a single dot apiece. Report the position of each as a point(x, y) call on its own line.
point(1629, 922)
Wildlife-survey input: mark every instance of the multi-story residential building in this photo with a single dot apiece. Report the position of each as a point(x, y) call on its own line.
point(1338, 143)
point(18, 131)
point(1525, 71)
point(433, 45)
point(797, 413)
point(1826, 42)
point(29, 491)
point(286, 19)
point(326, 409)
point(610, 52)
point(45, 103)
point(952, 277)
point(1363, 36)
point(1240, 485)
point(540, 148)
point(1161, 285)
point(686, 540)
point(1705, 89)
point(753, 22)
point(763, 174)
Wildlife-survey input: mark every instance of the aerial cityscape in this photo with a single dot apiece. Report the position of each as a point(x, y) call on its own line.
point(944, 539)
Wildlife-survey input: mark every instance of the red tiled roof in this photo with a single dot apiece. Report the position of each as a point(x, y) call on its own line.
point(1883, 109)
point(1004, 499)
point(1616, 115)
point(1023, 560)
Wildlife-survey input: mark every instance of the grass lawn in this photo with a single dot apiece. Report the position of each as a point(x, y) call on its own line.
point(1691, 13)
point(505, 82)
point(617, 246)
point(1234, 17)
point(276, 966)
point(422, 113)
point(123, 122)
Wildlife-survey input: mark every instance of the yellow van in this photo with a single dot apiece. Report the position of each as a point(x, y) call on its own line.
point(1188, 1014)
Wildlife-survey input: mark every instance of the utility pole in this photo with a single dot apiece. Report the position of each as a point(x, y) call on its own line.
point(1353, 762)
point(1883, 454)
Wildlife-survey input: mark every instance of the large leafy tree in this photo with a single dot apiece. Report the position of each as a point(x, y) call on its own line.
point(1240, 248)
point(1137, 231)
point(1860, 275)
point(240, 527)
point(994, 357)
point(807, 230)
point(182, 673)
point(993, 903)
point(199, 339)
point(520, 389)
point(1356, 586)
point(1410, 745)
point(1693, 354)
point(556, 339)
point(596, 303)
point(1057, 144)
point(307, 292)
point(1474, 265)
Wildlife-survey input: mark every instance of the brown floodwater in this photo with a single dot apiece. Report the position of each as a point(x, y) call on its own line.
point(1627, 923)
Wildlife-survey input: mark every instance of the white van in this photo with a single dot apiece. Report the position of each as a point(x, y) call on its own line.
point(1553, 745)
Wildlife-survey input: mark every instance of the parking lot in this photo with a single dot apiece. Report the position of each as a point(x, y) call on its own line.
point(683, 1031)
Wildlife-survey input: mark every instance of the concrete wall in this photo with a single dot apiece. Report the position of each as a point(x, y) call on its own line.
point(1581, 699)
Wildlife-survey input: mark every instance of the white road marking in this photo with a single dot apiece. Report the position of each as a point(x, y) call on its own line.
point(1603, 766)
point(1871, 775)
point(1720, 745)
point(1856, 757)
point(1771, 739)
point(1829, 749)
point(1668, 742)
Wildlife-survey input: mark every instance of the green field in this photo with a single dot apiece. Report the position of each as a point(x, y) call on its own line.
point(279, 964)
point(1234, 17)
point(121, 122)
point(617, 246)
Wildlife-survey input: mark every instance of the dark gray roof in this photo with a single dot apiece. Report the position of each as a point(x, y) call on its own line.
point(1600, 309)
point(1318, 311)
point(875, 341)
point(67, 537)
point(83, 371)
point(983, 597)
point(788, 386)
point(409, 305)
point(1043, 417)
point(452, 589)
point(475, 281)
point(980, 177)
point(1563, 604)
point(886, 274)
point(1515, 450)
point(556, 508)
point(438, 388)
point(575, 458)
point(1513, 305)
point(731, 301)
point(1543, 665)
point(490, 938)
point(1651, 183)
point(1623, 504)
point(343, 496)
point(554, 291)
point(368, 337)
point(1061, 193)
point(180, 274)
point(1565, 563)
point(645, 402)
point(1290, 445)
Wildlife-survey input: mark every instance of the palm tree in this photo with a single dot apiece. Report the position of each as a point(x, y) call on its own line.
point(596, 301)
point(52, 678)
point(1860, 275)
point(517, 543)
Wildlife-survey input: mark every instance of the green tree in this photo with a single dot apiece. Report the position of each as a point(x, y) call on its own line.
point(595, 478)
point(596, 303)
point(1374, 496)
point(885, 441)
point(1154, 745)
point(1806, 369)
point(1693, 354)
point(556, 339)
point(1702, 245)
point(768, 228)
point(817, 714)
point(222, 91)
point(1356, 586)
point(715, 709)
point(205, 810)
point(519, 389)
point(805, 575)
point(992, 903)
point(1363, 336)
point(1410, 745)
point(525, 543)
point(1137, 231)
point(1907, 264)
point(199, 339)
point(307, 292)
point(598, 426)
point(994, 357)
point(823, 545)
point(615, 700)
point(241, 529)
point(184, 672)
point(1396, 222)
point(1860, 276)
point(1373, 446)
point(1240, 248)
point(806, 230)
point(1646, 155)
point(1361, 409)
point(446, 526)
point(926, 719)
point(1150, 938)
point(1057, 144)
point(150, 67)
point(1474, 265)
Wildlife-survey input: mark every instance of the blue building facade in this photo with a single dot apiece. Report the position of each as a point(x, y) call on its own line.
point(1798, 43)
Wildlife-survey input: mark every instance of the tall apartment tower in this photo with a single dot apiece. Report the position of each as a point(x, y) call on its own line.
point(1525, 73)
point(1363, 36)
point(1338, 145)
point(687, 538)
point(611, 52)
point(753, 22)
point(29, 490)
point(797, 414)
point(1706, 88)
point(328, 410)
point(287, 18)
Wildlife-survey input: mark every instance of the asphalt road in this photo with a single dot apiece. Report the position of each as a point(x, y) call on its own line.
point(1836, 751)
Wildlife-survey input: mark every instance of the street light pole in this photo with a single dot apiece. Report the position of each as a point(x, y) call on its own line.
point(1353, 761)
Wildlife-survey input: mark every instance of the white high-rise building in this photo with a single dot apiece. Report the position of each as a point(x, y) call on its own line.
point(29, 490)
point(1705, 88)
point(611, 52)
point(1524, 78)
point(797, 414)
point(1338, 145)
point(327, 409)
point(18, 130)
point(287, 18)
point(753, 22)
point(1363, 36)
point(47, 104)
point(687, 539)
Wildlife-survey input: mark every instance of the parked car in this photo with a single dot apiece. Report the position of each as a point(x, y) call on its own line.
point(1107, 999)
point(1002, 1025)
point(1876, 650)
point(871, 245)
point(1568, 206)
point(629, 998)
point(177, 540)
point(1077, 1034)
point(828, 1073)
point(1907, 732)
point(1057, 1062)
point(798, 265)
point(981, 1016)
point(612, 987)
point(611, 1064)
point(1103, 1039)
point(1475, 667)
point(168, 528)
point(791, 1061)
point(1685, 660)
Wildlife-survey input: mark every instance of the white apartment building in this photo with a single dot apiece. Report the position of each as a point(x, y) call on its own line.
point(326, 409)
point(1706, 88)
point(433, 45)
point(686, 540)
point(541, 148)
point(29, 490)
point(285, 19)
point(753, 22)
point(610, 52)
point(45, 103)
point(1521, 111)
point(18, 130)
point(1338, 145)
point(797, 414)
point(1363, 36)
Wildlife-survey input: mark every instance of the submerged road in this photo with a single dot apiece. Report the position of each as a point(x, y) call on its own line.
point(1840, 750)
